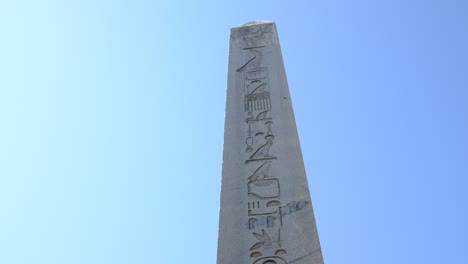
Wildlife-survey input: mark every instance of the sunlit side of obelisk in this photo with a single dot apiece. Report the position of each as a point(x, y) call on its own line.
point(266, 214)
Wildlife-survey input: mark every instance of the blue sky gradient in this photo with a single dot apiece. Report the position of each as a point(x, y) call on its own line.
point(112, 117)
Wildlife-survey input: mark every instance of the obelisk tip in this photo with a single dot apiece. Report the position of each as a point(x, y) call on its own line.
point(256, 22)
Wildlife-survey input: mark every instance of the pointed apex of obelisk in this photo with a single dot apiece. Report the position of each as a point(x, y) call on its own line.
point(256, 22)
point(254, 33)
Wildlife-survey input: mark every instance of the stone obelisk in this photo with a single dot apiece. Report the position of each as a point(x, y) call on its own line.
point(266, 214)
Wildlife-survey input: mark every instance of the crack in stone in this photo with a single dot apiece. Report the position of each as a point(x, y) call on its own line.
point(299, 258)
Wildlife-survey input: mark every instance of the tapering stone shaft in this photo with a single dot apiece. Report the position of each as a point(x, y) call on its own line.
point(266, 214)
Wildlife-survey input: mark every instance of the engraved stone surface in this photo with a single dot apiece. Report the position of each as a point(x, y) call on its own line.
point(266, 214)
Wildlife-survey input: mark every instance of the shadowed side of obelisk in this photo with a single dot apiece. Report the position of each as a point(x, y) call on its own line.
point(266, 214)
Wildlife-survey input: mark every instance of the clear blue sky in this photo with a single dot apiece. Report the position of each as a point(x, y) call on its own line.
point(112, 115)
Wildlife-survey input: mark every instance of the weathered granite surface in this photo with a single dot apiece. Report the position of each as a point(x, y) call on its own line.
point(266, 214)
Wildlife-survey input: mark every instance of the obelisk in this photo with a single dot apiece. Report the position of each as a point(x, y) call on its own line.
point(266, 214)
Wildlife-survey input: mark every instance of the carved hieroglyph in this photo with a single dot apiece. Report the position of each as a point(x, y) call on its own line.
point(266, 214)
